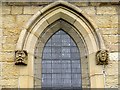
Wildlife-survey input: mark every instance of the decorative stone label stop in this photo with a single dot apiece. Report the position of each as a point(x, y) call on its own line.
point(21, 57)
point(102, 57)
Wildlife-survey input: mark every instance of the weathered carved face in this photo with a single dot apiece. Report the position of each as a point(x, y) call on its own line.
point(103, 55)
point(20, 57)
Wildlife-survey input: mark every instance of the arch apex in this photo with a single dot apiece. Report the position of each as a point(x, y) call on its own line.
point(69, 13)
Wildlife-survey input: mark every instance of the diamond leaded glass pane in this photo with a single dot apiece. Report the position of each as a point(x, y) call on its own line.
point(61, 67)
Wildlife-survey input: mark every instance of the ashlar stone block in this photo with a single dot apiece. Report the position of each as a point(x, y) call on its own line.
point(6, 9)
point(107, 10)
point(9, 21)
point(17, 9)
point(9, 70)
point(31, 9)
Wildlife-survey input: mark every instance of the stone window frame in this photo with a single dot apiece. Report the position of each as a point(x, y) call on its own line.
point(78, 39)
point(84, 25)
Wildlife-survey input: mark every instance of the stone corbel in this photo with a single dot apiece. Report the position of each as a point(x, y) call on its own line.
point(102, 57)
point(21, 57)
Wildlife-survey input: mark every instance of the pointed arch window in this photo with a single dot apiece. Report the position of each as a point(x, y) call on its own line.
point(61, 68)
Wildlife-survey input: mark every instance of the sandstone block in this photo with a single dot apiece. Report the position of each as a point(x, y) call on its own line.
point(17, 9)
point(103, 21)
point(112, 68)
point(8, 47)
point(80, 3)
point(114, 48)
point(23, 81)
point(106, 21)
point(111, 38)
point(89, 10)
point(97, 81)
point(11, 32)
point(9, 70)
point(6, 9)
point(114, 56)
point(31, 9)
point(111, 42)
point(9, 21)
point(0, 46)
point(107, 10)
point(9, 82)
point(22, 20)
point(7, 56)
point(115, 21)
point(0, 21)
point(9, 86)
point(109, 31)
point(10, 39)
point(112, 81)
point(0, 67)
point(1, 39)
point(95, 3)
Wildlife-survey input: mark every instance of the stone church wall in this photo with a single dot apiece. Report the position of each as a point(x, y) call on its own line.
point(15, 15)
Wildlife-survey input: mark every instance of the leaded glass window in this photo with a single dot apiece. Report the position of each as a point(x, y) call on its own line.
point(61, 68)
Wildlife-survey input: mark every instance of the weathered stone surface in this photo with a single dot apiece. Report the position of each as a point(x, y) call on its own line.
point(9, 86)
point(112, 68)
point(112, 81)
point(7, 56)
point(89, 10)
point(14, 19)
point(107, 10)
point(115, 47)
point(38, 86)
point(17, 10)
point(9, 82)
point(10, 39)
point(11, 32)
point(0, 18)
point(80, 3)
point(22, 20)
point(0, 68)
point(114, 56)
point(9, 70)
point(106, 21)
point(37, 81)
point(111, 38)
point(111, 42)
point(8, 47)
point(86, 84)
point(31, 9)
point(6, 9)
point(26, 3)
point(1, 36)
point(9, 21)
point(109, 31)
point(115, 21)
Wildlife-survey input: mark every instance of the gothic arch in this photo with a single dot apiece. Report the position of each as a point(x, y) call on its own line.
point(78, 39)
point(84, 27)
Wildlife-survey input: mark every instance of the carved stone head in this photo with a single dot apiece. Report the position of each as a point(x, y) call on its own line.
point(102, 57)
point(20, 57)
